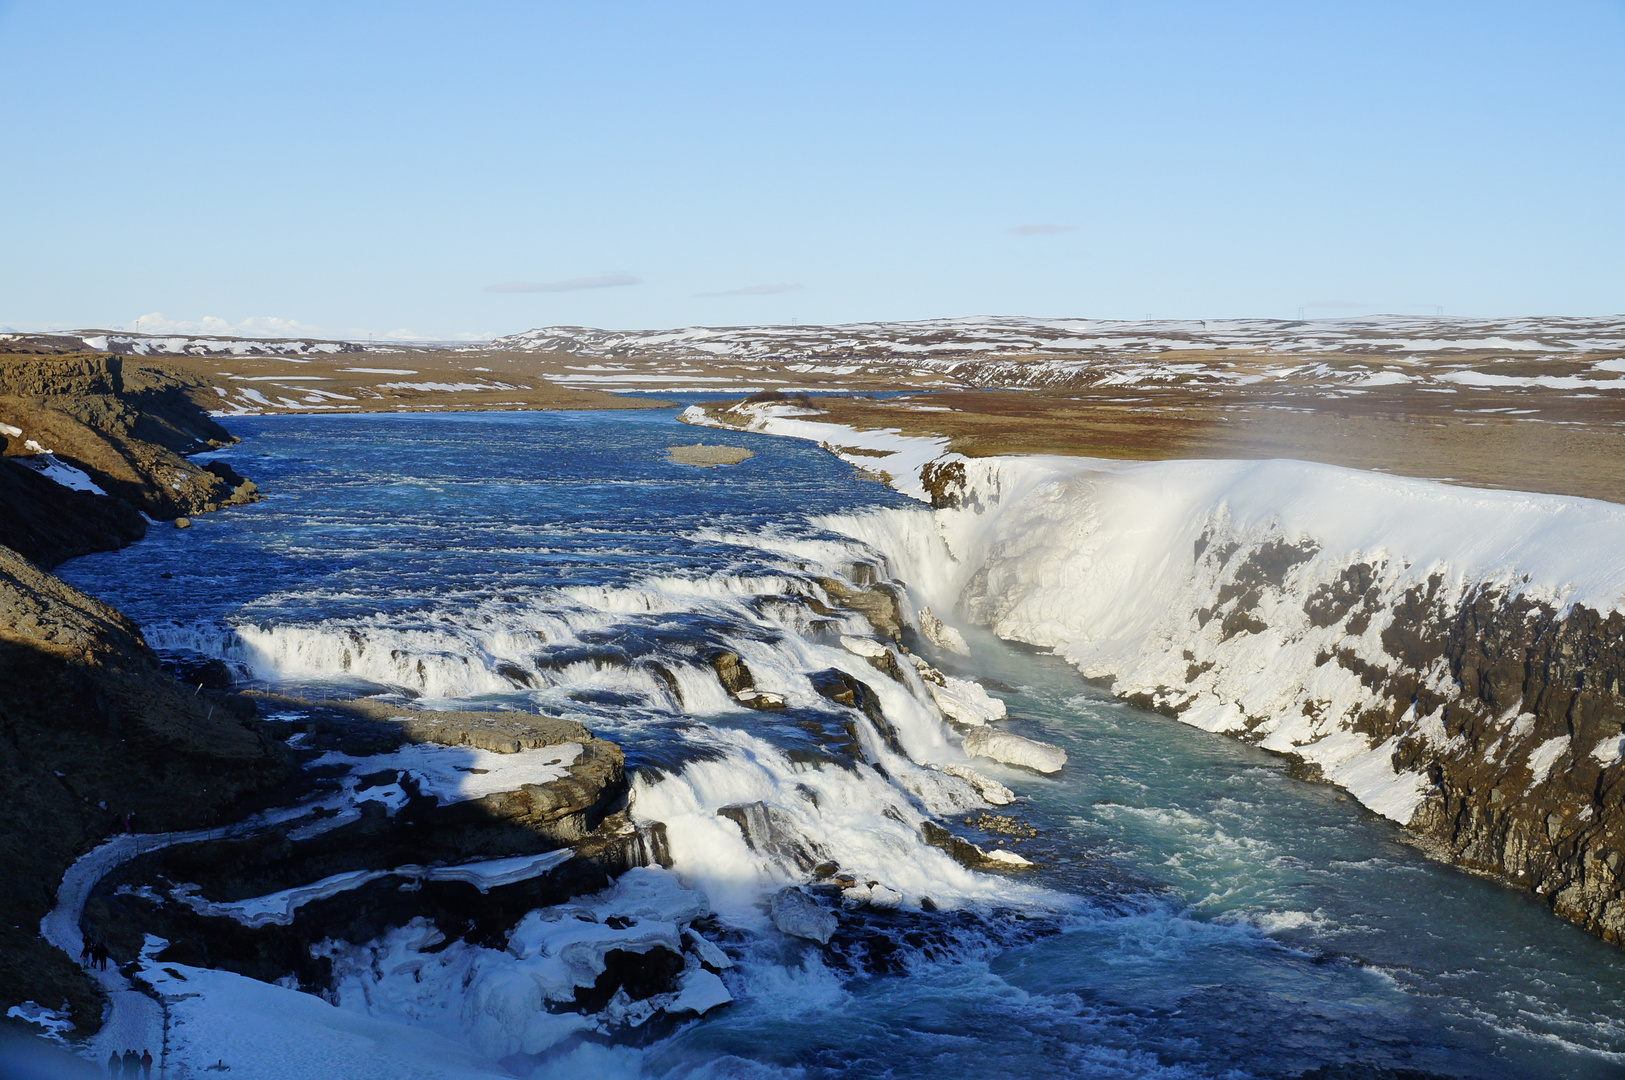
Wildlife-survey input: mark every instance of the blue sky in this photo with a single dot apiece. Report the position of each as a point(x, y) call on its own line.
point(379, 167)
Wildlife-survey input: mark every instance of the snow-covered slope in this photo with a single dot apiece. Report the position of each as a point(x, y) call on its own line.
point(130, 344)
point(1014, 335)
point(1209, 587)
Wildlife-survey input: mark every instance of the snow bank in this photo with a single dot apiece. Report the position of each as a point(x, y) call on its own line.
point(54, 468)
point(457, 774)
point(218, 1019)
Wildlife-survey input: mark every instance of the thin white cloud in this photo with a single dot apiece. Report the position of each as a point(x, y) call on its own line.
point(1040, 230)
point(753, 290)
point(271, 327)
point(258, 326)
point(603, 281)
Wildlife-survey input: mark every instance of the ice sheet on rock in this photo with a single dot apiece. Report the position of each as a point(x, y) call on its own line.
point(865, 647)
point(941, 634)
point(989, 789)
point(457, 774)
point(699, 991)
point(499, 999)
point(1009, 858)
point(965, 702)
point(1014, 749)
point(799, 915)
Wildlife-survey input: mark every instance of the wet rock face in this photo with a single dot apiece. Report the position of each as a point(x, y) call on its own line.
point(944, 481)
point(768, 830)
point(879, 602)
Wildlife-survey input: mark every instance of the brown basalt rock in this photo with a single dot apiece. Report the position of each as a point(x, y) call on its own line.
point(46, 522)
point(126, 427)
point(879, 603)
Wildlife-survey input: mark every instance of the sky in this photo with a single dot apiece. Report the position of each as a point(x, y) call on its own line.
point(452, 170)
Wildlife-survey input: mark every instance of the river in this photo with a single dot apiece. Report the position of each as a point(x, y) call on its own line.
point(1195, 912)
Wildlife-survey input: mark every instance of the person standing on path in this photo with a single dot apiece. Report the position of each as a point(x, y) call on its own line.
point(115, 1066)
point(132, 1063)
point(146, 1064)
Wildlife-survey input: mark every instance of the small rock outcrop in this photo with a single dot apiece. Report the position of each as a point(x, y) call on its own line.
point(941, 634)
point(880, 603)
point(738, 681)
point(799, 915)
point(707, 457)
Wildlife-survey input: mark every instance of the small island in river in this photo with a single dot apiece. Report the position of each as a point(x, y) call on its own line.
point(707, 456)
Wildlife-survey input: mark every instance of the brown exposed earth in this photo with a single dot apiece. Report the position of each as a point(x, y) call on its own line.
point(1556, 443)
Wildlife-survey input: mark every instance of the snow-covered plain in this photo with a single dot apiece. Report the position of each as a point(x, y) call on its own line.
point(1343, 356)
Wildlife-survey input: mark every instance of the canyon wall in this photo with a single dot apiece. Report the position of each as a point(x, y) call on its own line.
point(1453, 657)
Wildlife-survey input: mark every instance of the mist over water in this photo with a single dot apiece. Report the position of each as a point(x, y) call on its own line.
point(1196, 912)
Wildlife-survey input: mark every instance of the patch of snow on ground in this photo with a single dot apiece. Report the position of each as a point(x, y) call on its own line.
point(52, 468)
point(1545, 756)
point(279, 908)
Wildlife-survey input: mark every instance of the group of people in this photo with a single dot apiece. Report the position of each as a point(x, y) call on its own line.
point(130, 1064)
point(93, 955)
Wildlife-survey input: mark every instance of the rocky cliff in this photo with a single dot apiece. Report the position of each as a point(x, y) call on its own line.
point(99, 426)
point(1508, 712)
point(93, 732)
